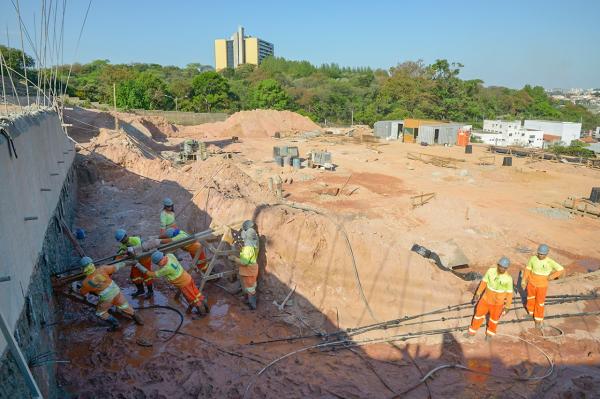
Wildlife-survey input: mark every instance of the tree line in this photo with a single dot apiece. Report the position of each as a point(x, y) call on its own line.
point(412, 89)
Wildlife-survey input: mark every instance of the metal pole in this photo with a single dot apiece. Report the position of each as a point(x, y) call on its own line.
point(115, 105)
point(175, 104)
point(19, 359)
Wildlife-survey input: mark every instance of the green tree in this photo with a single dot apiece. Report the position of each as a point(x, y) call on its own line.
point(14, 59)
point(211, 92)
point(269, 94)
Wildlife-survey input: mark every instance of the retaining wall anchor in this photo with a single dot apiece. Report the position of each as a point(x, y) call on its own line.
point(61, 162)
point(31, 218)
point(54, 174)
point(45, 189)
point(5, 278)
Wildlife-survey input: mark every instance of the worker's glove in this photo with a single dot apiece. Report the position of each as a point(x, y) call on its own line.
point(475, 299)
point(524, 284)
point(130, 251)
point(76, 286)
point(141, 268)
point(119, 265)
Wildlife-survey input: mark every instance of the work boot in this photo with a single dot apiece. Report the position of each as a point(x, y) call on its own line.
point(114, 323)
point(468, 336)
point(140, 290)
point(150, 292)
point(177, 295)
point(538, 325)
point(204, 304)
point(190, 308)
point(488, 337)
point(138, 319)
point(252, 301)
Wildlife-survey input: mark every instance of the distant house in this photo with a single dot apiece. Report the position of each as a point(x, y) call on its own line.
point(418, 131)
point(551, 139)
point(509, 133)
point(568, 131)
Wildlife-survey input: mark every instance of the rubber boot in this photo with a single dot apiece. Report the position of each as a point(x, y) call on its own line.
point(204, 304)
point(114, 323)
point(190, 308)
point(468, 336)
point(150, 292)
point(140, 290)
point(538, 325)
point(252, 301)
point(138, 319)
point(488, 337)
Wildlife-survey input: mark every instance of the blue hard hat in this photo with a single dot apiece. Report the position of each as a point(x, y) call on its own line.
point(172, 232)
point(86, 260)
point(504, 262)
point(543, 249)
point(157, 257)
point(120, 234)
point(168, 202)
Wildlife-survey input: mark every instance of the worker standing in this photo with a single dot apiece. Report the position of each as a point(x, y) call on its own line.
point(138, 278)
point(171, 269)
point(539, 271)
point(248, 270)
point(167, 216)
point(98, 281)
point(497, 290)
point(175, 234)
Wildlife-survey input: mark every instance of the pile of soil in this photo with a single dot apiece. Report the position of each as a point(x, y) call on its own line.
point(256, 123)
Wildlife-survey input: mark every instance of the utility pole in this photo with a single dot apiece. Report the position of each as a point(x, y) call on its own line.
point(352, 117)
point(115, 106)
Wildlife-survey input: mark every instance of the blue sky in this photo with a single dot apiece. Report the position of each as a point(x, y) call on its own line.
point(504, 42)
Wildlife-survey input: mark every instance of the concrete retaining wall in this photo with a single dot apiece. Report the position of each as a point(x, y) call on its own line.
point(37, 182)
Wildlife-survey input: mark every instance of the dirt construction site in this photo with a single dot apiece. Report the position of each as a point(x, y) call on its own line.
point(367, 269)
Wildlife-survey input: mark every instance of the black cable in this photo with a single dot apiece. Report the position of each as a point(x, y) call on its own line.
point(181, 318)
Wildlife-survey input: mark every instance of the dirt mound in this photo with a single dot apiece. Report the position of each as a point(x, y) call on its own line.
point(256, 123)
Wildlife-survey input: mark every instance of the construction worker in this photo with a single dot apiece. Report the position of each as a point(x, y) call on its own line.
point(497, 290)
point(138, 278)
point(98, 281)
point(167, 216)
point(248, 271)
point(175, 234)
point(171, 269)
point(539, 270)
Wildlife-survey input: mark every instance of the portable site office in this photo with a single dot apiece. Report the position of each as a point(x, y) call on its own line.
point(417, 131)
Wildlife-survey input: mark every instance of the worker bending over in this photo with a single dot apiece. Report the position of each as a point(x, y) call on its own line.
point(171, 269)
point(138, 278)
point(497, 290)
point(98, 281)
point(175, 234)
point(167, 216)
point(248, 271)
point(539, 270)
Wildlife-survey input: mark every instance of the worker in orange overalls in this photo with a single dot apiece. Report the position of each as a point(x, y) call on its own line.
point(167, 216)
point(171, 269)
point(497, 290)
point(539, 271)
point(248, 262)
point(98, 281)
point(175, 234)
point(137, 278)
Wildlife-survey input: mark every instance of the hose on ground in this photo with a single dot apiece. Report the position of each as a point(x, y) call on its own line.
point(181, 318)
point(342, 344)
point(548, 372)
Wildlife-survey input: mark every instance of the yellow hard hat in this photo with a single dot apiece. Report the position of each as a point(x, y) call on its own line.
point(89, 269)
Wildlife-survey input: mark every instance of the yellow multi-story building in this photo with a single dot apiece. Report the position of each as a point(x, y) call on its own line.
point(241, 49)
